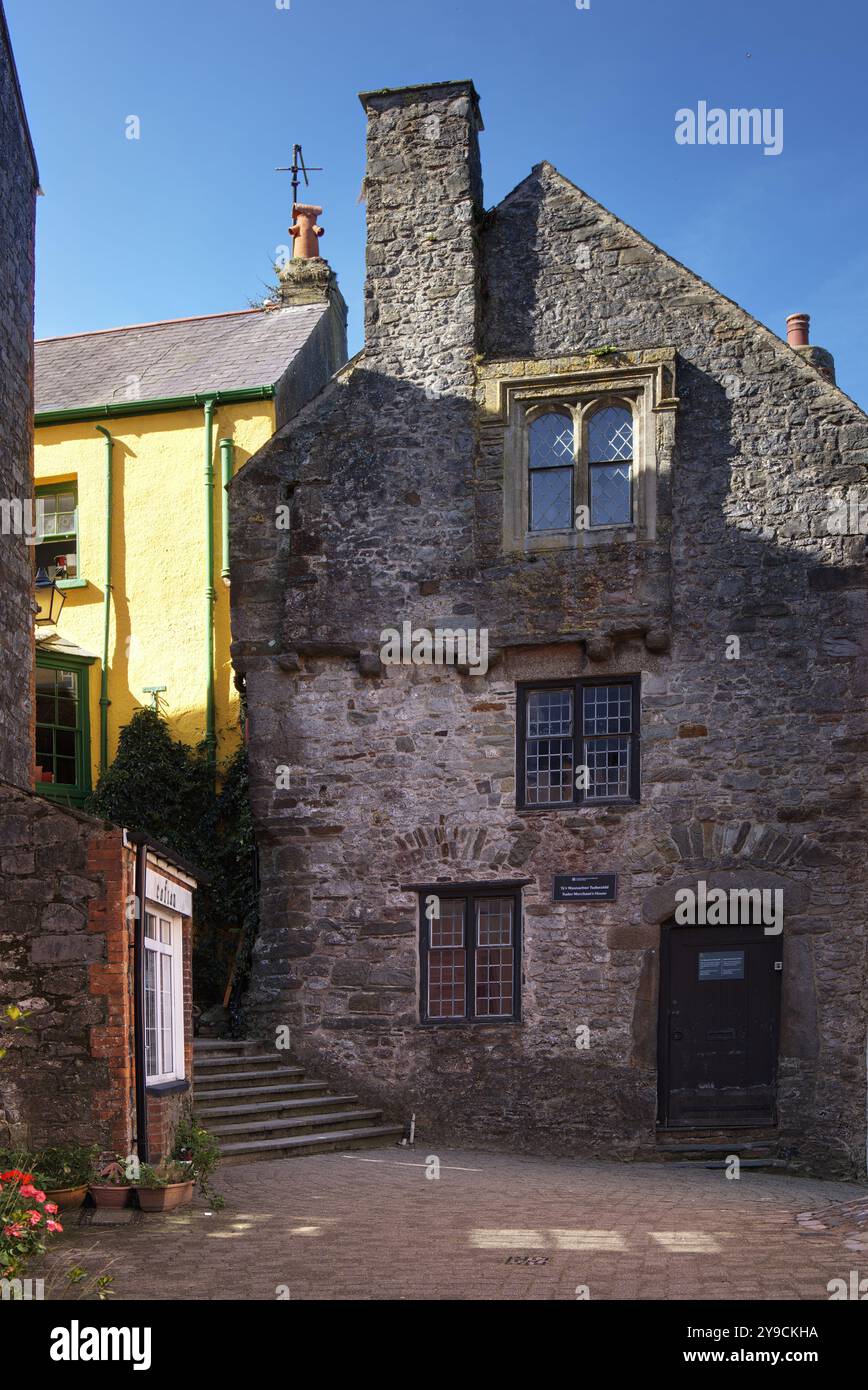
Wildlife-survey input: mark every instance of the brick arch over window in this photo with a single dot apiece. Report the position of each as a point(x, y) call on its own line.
point(471, 848)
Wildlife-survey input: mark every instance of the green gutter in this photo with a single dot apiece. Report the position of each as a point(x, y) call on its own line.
point(104, 700)
point(227, 458)
point(157, 404)
point(210, 594)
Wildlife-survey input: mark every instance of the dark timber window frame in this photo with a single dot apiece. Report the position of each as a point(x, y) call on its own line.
point(470, 894)
point(577, 687)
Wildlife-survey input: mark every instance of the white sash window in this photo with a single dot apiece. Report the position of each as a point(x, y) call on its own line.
point(164, 1000)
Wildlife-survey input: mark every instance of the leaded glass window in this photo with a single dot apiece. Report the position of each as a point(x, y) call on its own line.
point(610, 462)
point(470, 956)
point(549, 747)
point(608, 730)
point(578, 743)
point(552, 464)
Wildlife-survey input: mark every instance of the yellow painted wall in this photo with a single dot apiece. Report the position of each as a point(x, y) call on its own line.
point(157, 632)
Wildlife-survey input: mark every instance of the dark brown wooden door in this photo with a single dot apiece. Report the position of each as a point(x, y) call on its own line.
point(719, 1018)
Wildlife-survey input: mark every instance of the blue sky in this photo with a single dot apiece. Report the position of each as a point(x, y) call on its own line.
point(186, 219)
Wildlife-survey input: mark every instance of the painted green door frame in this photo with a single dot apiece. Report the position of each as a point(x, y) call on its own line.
point(71, 794)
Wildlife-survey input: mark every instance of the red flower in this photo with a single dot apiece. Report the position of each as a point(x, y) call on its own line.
point(14, 1229)
point(16, 1175)
point(28, 1190)
point(34, 1216)
point(54, 1225)
point(52, 1208)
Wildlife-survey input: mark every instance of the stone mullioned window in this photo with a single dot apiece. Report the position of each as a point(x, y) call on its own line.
point(579, 446)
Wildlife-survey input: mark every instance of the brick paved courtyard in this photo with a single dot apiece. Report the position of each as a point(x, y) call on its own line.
point(371, 1225)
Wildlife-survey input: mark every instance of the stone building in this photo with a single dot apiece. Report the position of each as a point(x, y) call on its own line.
point(96, 1056)
point(19, 183)
point(560, 441)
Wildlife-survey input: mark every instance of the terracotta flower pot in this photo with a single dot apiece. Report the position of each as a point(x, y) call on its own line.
point(67, 1198)
point(109, 1194)
point(175, 1194)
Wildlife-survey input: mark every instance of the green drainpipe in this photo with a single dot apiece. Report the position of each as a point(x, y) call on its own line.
point(227, 459)
point(210, 595)
point(104, 700)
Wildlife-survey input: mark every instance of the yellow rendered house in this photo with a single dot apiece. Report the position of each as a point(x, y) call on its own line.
point(138, 431)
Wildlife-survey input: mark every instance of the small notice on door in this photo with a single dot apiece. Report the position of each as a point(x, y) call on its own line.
point(721, 965)
point(585, 888)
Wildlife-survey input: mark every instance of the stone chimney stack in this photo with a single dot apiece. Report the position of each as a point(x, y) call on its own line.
point(799, 338)
point(423, 187)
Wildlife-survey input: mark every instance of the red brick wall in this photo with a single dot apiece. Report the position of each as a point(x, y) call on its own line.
point(112, 979)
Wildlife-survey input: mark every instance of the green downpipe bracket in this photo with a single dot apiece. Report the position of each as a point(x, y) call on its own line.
point(227, 460)
point(210, 593)
point(104, 700)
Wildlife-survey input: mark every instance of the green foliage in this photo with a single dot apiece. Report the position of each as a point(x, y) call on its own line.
point(195, 1144)
point(163, 1174)
point(163, 788)
point(157, 785)
point(63, 1165)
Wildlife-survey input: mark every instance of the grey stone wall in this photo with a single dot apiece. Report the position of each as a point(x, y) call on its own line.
point(751, 767)
point(17, 221)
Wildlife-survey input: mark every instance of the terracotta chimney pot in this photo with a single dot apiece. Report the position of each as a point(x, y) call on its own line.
point(304, 232)
point(798, 330)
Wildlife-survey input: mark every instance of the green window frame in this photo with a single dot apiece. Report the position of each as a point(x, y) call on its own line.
point(57, 512)
point(63, 727)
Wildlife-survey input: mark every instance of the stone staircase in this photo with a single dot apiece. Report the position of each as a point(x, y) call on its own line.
point(259, 1104)
point(756, 1148)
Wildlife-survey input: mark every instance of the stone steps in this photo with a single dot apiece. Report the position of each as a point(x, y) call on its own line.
point(248, 1079)
point(336, 1140)
point(755, 1148)
point(308, 1105)
point(259, 1105)
point(287, 1089)
point(306, 1124)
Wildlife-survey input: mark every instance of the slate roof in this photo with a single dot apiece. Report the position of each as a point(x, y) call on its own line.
point(180, 357)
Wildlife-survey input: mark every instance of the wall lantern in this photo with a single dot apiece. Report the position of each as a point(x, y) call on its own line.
point(49, 599)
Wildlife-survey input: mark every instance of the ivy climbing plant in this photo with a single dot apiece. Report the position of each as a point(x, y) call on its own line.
point(162, 787)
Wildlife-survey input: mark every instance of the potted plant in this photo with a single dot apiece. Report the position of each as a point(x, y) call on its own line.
point(63, 1171)
point(164, 1186)
point(194, 1144)
point(110, 1186)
